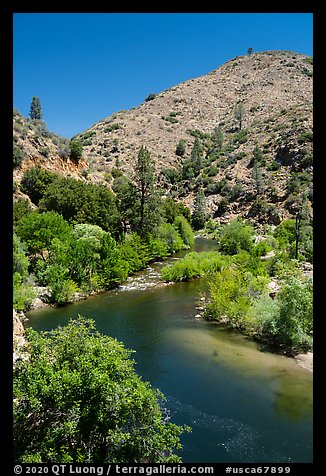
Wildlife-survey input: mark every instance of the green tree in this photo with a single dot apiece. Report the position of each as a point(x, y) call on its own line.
point(292, 325)
point(23, 292)
point(144, 175)
point(21, 208)
point(77, 398)
point(199, 214)
point(257, 156)
point(38, 230)
point(236, 236)
point(196, 156)
point(35, 182)
point(80, 202)
point(181, 148)
point(185, 231)
point(35, 109)
point(217, 137)
point(258, 178)
point(125, 192)
point(76, 150)
point(239, 113)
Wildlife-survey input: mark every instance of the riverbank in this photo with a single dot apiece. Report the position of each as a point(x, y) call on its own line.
point(305, 360)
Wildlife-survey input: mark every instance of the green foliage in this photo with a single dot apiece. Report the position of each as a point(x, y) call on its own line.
point(291, 327)
point(62, 288)
point(20, 260)
point(240, 137)
point(181, 148)
point(135, 252)
point(35, 182)
point(113, 269)
point(23, 292)
point(20, 208)
point(18, 155)
point(35, 109)
point(306, 136)
point(76, 150)
point(236, 236)
point(171, 209)
point(77, 398)
point(150, 97)
point(185, 231)
point(38, 230)
point(125, 192)
point(80, 202)
point(257, 157)
point(239, 113)
point(144, 175)
point(171, 238)
point(193, 265)
point(198, 217)
point(217, 137)
point(171, 175)
point(232, 292)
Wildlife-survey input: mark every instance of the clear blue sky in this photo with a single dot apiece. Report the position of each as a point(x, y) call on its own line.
point(86, 66)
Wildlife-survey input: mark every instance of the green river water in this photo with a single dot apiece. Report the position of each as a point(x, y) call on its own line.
point(243, 405)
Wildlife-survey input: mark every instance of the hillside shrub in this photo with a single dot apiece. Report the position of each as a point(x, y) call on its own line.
point(35, 182)
point(18, 155)
point(76, 150)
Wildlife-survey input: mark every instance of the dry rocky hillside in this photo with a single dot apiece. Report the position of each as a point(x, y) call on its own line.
point(275, 90)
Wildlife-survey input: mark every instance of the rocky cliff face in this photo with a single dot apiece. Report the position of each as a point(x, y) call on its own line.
point(275, 89)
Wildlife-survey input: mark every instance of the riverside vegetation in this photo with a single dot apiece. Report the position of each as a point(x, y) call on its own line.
point(84, 220)
point(238, 289)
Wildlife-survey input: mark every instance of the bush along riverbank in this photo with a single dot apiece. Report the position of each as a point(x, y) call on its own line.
point(255, 288)
point(85, 259)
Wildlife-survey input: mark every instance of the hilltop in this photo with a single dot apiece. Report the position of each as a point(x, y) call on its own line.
point(274, 89)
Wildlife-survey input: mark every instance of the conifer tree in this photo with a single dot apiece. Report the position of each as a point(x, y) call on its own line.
point(145, 180)
point(35, 109)
point(199, 213)
point(239, 113)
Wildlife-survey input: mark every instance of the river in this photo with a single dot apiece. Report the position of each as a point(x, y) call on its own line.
point(243, 405)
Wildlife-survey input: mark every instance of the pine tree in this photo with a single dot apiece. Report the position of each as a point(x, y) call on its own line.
point(196, 156)
point(35, 109)
point(239, 113)
point(199, 214)
point(145, 179)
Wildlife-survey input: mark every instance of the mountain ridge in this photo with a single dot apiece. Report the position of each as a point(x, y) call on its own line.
point(275, 88)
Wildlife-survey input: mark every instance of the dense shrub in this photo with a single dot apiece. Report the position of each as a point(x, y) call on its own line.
point(291, 325)
point(76, 150)
point(35, 182)
point(193, 265)
point(185, 231)
point(236, 236)
point(80, 202)
point(231, 293)
point(38, 230)
point(18, 155)
point(78, 398)
point(20, 209)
